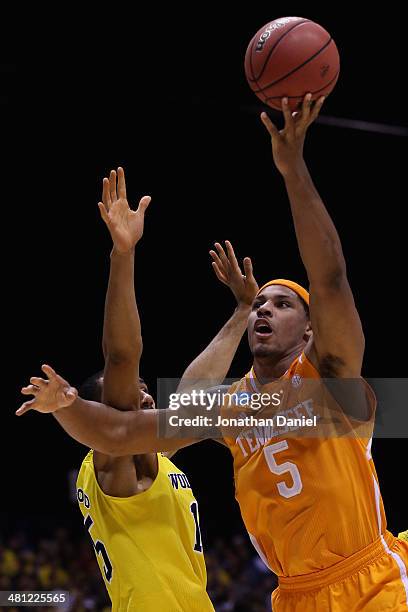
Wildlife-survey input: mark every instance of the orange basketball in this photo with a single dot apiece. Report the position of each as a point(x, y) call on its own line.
point(290, 57)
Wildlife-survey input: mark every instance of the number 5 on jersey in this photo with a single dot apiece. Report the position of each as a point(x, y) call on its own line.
point(100, 550)
point(279, 469)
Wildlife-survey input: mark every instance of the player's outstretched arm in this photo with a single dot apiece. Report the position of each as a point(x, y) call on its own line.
point(122, 339)
point(338, 340)
point(98, 426)
point(211, 367)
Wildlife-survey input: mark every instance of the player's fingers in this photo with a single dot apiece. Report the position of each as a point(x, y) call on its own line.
point(112, 185)
point(216, 259)
point(289, 123)
point(50, 373)
point(104, 212)
point(316, 109)
point(306, 107)
point(24, 408)
point(222, 255)
point(106, 199)
point(121, 183)
point(271, 127)
point(248, 269)
point(218, 273)
point(38, 382)
point(249, 273)
point(144, 203)
point(231, 256)
point(30, 390)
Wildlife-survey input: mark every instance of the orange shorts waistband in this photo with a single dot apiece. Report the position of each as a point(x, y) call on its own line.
point(340, 571)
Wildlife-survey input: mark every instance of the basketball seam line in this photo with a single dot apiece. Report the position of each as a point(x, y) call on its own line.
point(274, 47)
point(256, 91)
point(312, 92)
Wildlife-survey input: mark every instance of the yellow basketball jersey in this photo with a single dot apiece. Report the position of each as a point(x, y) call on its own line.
point(308, 499)
point(148, 546)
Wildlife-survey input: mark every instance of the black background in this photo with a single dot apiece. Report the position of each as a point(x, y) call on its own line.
point(164, 94)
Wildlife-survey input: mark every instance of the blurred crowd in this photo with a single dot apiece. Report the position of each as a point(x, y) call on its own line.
point(238, 581)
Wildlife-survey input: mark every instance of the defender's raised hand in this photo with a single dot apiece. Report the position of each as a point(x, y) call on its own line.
point(124, 224)
point(287, 144)
point(227, 270)
point(49, 395)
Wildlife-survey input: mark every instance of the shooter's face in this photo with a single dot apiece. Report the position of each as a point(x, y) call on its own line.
point(277, 323)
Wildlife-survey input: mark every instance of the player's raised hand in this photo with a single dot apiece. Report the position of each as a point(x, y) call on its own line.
point(50, 394)
point(287, 144)
point(227, 270)
point(124, 224)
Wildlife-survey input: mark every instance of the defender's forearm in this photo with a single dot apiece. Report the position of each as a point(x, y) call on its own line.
point(121, 329)
point(318, 240)
point(212, 365)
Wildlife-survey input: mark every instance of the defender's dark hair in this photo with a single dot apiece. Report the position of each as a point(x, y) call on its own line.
point(91, 388)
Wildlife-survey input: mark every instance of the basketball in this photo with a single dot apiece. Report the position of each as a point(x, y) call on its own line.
point(290, 57)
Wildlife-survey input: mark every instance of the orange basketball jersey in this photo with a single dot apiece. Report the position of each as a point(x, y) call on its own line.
point(308, 495)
